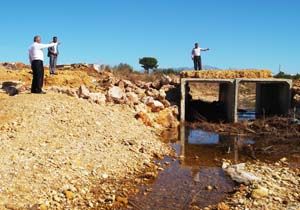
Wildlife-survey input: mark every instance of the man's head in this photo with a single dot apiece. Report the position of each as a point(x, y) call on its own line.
point(196, 45)
point(54, 39)
point(37, 39)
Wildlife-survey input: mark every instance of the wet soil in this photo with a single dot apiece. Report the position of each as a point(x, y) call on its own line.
point(196, 177)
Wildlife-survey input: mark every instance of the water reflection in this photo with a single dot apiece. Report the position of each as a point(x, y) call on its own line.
point(246, 115)
point(184, 183)
point(199, 147)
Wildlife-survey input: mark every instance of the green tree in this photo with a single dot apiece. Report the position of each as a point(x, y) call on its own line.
point(148, 63)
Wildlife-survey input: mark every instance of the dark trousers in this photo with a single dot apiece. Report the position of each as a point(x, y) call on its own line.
point(197, 63)
point(37, 67)
point(52, 63)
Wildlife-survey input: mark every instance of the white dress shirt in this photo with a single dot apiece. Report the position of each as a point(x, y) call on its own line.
point(36, 51)
point(196, 51)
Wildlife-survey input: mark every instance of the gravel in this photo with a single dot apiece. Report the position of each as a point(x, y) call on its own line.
point(55, 148)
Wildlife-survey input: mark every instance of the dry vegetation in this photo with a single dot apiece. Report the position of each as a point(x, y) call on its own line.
point(227, 74)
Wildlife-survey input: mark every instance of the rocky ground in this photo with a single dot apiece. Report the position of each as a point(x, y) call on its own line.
point(276, 186)
point(92, 138)
point(55, 147)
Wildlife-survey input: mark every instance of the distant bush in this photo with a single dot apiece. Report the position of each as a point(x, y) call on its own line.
point(123, 67)
point(283, 75)
point(167, 71)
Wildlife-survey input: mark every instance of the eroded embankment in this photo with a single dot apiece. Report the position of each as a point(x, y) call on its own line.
point(55, 148)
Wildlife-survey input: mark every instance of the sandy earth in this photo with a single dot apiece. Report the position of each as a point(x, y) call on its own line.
point(59, 152)
point(54, 147)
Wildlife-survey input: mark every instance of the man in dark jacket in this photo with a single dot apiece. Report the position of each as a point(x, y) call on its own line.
point(52, 54)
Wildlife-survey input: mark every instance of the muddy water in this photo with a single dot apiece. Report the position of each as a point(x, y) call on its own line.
point(196, 178)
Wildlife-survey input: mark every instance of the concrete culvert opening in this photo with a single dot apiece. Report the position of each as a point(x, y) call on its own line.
point(206, 101)
point(246, 101)
point(263, 98)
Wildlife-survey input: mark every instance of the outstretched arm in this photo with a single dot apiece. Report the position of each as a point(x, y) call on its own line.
point(204, 49)
point(43, 46)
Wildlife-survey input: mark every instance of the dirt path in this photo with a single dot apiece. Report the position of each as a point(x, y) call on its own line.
point(54, 148)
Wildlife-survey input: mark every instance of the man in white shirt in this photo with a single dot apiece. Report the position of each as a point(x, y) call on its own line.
point(196, 56)
point(52, 54)
point(36, 58)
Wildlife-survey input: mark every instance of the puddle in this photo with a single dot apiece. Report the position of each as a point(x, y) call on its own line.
point(246, 115)
point(185, 182)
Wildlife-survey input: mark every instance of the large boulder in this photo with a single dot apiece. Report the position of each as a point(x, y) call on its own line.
point(132, 98)
point(153, 93)
point(140, 92)
point(162, 94)
point(140, 84)
point(165, 80)
point(155, 105)
point(165, 102)
point(128, 83)
point(167, 119)
point(239, 174)
point(175, 80)
point(147, 85)
point(141, 107)
point(156, 84)
point(67, 91)
point(83, 92)
point(98, 98)
point(116, 94)
point(70, 92)
point(144, 117)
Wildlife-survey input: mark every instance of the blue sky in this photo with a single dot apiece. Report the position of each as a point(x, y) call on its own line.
point(241, 34)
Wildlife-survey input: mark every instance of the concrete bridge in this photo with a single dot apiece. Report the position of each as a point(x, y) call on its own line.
point(273, 96)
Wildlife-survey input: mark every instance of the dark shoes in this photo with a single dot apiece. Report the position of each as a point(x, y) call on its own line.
point(38, 92)
point(53, 73)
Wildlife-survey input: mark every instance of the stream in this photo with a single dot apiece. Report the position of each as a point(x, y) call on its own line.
point(196, 178)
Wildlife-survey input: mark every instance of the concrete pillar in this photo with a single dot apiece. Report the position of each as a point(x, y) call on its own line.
point(258, 107)
point(182, 135)
point(183, 99)
point(228, 96)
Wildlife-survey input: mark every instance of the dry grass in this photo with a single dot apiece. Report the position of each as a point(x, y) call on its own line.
point(227, 74)
point(138, 76)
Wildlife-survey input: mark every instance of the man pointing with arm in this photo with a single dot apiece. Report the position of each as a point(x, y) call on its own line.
point(36, 58)
point(196, 56)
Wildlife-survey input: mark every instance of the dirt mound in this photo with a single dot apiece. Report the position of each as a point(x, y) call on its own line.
point(52, 154)
point(69, 78)
point(227, 74)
